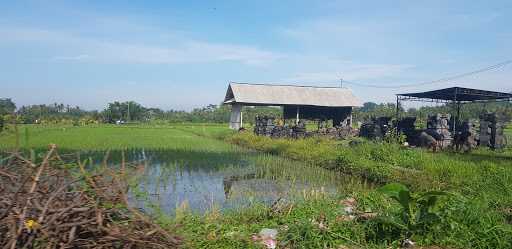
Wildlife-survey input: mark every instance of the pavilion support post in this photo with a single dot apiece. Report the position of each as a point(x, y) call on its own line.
point(235, 121)
point(454, 117)
point(457, 120)
point(350, 120)
point(282, 113)
point(297, 118)
point(397, 114)
point(454, 123)
point(397, 107)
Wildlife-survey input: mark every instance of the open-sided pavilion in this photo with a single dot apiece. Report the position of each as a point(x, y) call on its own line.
point(298, 102)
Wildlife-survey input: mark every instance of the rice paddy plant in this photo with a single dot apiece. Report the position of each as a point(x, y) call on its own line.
point(245, 179)
point(109, 137)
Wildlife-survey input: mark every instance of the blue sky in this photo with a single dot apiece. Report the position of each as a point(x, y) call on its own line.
point(182, 54)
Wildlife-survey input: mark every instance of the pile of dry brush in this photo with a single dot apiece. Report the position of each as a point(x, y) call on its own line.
point(46, 206)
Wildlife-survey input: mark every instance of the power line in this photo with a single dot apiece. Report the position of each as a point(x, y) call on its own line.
point(451, 78)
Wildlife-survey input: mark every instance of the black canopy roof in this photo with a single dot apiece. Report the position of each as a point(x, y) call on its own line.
point(458, 94)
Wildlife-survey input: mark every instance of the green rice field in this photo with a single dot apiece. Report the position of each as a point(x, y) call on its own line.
point(105, 137)
point(219, 188)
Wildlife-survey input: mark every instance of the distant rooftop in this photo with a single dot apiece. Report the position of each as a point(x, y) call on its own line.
point(280, 95)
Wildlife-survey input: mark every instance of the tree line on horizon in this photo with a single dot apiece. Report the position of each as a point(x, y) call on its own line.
point(128, 111)
point(131, 111)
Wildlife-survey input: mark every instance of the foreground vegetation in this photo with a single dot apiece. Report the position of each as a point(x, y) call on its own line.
point(478, 217)
point(53, 204)
point(472, 207)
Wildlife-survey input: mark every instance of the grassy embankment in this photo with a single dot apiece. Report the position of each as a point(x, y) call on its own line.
point(482, 179)
point(477, 216)
point(508, 132)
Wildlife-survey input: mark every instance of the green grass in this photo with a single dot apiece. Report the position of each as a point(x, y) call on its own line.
point(111, 137)
point(476, 216)
point(297, 227)
point(384, 162)
point(482, 180)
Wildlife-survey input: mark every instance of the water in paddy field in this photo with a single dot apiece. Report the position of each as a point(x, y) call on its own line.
point(202, 180)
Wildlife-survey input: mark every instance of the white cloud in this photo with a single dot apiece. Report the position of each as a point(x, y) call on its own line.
point(230, 52)
point(179, 51)
point(187, 52)
point(80, 57)
point(26, 34)
point(324, 29)
point(311, 69)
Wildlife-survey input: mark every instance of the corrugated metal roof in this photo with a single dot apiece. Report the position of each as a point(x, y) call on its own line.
point(266, 94)
point(460, 94)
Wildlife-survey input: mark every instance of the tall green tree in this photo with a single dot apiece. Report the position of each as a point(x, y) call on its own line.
point(126, 111)
point(7, 106)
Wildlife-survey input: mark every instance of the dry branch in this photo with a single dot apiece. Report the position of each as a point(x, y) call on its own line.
point(45, 206)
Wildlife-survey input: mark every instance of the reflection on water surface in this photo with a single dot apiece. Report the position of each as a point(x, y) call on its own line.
point(205, 180)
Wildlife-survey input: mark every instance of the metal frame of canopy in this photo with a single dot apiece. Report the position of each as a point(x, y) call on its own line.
point(455, 95)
